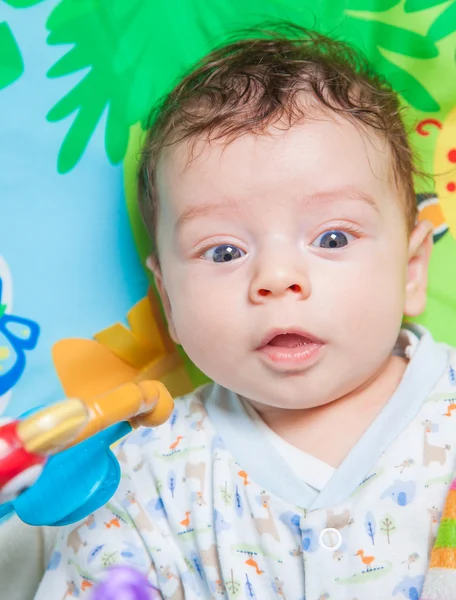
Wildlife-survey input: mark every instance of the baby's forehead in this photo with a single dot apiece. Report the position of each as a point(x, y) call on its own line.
point(327, 146)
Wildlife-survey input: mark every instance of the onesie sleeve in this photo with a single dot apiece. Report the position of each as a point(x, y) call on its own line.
point(86, 549)
point(24, 553)
point(138, 526)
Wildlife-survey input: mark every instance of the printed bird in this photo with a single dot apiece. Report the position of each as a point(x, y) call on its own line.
point(86, 585)
point(113, 523)
point(244, 476)
point(451, 407)
point(367, 560)
point(175, 444)
point(253, 563)
point(186, 521)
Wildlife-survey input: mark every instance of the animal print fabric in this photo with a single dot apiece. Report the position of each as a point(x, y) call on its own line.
point(190, 516)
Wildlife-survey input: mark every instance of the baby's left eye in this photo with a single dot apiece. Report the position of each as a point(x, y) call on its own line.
point(333, 239)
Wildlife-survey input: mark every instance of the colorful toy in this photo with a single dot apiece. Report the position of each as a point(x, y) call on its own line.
point(124, 583)
point(63, 452)
point(440, 583)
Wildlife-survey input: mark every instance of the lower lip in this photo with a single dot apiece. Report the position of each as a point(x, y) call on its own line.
point(298, 356)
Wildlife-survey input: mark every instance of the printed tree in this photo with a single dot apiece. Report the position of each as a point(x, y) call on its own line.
point(370, 526)
point(248, 588)
point(387, 527)
point(226, 496)
point(233, 586)
point(172, 482)
point(108, 559)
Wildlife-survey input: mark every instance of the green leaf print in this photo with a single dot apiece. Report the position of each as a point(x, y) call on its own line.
point(444, 24)
point(404, 83)
point(22, 3)
point(94, 36)
point(372, 36)
point(130, 52)
point(397, 39)
point(371, 5)
point(11, 65)
point(416, 5)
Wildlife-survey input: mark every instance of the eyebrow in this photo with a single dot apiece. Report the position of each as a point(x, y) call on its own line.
point(346, 193)
point(201, 210)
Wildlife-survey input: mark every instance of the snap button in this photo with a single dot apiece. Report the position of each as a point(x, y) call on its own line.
point(330, 539)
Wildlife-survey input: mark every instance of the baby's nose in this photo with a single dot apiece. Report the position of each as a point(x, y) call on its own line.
point(294, 287)
point(277, 282)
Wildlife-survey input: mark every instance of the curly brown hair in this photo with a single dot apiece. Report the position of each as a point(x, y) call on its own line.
point(248, 85)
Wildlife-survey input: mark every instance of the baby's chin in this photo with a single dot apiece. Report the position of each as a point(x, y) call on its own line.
point(286, 395)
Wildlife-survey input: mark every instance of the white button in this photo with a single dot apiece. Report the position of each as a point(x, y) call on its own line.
point(330, 539)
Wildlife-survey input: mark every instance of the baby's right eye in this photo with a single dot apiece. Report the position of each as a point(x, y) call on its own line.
point(223, 253)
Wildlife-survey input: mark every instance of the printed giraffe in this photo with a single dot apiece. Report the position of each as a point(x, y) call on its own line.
point(178, 593)
point(199, 424)
point(432, 453)
point(167, 573)
point(219, 588)
point(209, 557)
point(120, 452)
point(266, 524)
point(278, 584)
point(195, 408)
point(71, 591)
point(433, 526)
point(196, 471)
point(137, 513)
point(74, 539)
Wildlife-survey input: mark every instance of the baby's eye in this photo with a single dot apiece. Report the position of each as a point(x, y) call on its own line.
point(333, 239)
point(224, 253)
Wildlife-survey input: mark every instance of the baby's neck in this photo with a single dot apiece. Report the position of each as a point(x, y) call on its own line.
point(330, 431)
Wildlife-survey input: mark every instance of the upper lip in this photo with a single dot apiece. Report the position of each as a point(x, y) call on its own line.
point(290, 330)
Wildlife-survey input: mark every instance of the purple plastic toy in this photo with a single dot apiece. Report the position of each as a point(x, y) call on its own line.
point(125, 583)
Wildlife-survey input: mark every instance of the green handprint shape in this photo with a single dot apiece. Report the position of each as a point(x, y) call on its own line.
point(11, 65)
point(22, 3)
point(133, 50)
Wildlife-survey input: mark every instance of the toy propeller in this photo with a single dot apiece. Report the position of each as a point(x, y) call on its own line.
point(56, 465)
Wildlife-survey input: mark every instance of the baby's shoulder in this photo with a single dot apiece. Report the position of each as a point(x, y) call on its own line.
point(186, 428)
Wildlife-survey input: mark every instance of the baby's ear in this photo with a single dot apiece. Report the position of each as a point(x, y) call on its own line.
point(153, 265)
point(420, 248)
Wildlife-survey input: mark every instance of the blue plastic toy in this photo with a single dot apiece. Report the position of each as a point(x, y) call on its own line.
point(37, 463)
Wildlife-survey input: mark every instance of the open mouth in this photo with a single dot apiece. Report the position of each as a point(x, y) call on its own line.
point(292, 348)
point(289, 340)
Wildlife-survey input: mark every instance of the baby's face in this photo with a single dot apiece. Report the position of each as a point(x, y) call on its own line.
point(285, 261)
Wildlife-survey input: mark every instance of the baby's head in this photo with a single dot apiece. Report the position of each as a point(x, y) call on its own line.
point(277, 185)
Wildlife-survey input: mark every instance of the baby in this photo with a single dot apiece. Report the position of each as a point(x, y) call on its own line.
point(277, 186)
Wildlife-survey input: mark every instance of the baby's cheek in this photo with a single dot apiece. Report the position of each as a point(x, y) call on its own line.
point(198, 316)
point(379, 318)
